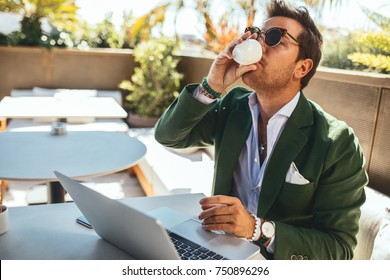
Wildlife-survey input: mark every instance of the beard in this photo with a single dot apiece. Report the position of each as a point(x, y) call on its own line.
point(269, 79)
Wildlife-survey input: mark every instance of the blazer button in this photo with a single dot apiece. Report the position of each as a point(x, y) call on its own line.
point(293, 257)
point(300, 257)
point(305, 258)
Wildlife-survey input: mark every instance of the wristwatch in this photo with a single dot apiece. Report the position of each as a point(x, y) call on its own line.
point(267, 232)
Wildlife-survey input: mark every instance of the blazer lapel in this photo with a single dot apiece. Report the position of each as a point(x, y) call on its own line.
point(290, 143)
point(234, 136)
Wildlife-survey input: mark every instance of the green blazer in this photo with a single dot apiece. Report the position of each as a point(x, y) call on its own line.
point(318, 220)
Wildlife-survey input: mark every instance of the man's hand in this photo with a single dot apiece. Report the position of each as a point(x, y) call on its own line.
point(225, 71)
point(226, 213)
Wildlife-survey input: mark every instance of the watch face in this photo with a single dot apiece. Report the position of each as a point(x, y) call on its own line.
point(268, 229)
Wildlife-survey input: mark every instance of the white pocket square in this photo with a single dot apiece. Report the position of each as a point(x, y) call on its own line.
point(294, 177)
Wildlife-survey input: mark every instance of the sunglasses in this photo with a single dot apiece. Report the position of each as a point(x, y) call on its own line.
point(272, 36)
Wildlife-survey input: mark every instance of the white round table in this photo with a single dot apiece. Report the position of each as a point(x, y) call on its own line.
point(33, 156)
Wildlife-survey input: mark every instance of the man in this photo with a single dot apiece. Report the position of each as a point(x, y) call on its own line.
point(288, 176)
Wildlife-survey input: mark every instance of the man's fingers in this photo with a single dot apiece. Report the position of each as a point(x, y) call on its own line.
point(223, 227)
point(244, 69)
point(214, 211)
point(226, 227)
point(209, 206)
point(219, 199)
point(225, 213)
point(237, 41)
point(220, 219)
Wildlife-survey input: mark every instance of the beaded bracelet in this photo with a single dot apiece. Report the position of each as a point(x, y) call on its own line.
point(203, 91)
point(211, 92)
point(257, 230)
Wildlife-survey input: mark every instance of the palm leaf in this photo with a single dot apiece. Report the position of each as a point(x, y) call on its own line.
point(143, 25)
point(377, 18)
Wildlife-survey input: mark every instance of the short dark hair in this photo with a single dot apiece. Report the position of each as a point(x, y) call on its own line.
point(310, 40)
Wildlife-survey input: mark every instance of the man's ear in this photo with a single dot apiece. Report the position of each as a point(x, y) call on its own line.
point(303, 67)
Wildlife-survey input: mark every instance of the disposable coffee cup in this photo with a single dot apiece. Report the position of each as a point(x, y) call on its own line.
point(248, 52)
point(3, 219)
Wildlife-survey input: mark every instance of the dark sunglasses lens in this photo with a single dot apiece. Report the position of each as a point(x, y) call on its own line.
point(272, 37)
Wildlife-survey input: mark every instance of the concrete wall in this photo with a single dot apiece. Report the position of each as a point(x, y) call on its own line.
point(25, 68)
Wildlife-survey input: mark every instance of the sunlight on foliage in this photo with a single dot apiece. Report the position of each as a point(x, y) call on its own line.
point(217, 37)
point(377, 18)
point(373, 51)
point(61, 15)
point(378, 62)
point(141, 29)
point(150, 92)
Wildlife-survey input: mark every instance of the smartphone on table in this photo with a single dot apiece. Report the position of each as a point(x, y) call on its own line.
point(83, 221)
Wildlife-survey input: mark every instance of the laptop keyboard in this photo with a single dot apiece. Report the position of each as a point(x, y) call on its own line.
point(189, 250)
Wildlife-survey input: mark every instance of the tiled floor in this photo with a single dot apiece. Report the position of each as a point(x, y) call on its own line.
point(118, 185)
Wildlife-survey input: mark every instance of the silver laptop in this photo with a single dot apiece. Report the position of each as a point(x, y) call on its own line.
point(162, 233)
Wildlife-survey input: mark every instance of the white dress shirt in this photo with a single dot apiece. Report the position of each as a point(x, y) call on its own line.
point(248, 175)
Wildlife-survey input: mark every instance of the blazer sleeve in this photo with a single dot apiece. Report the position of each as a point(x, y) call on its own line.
point(187, 122)
point(336, 206)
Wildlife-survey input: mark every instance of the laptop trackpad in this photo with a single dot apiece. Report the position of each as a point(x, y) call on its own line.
point(168, 217)
point(183, 225)
point(192, 230)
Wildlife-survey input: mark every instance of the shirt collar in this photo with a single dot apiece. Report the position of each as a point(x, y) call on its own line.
point(286, 110)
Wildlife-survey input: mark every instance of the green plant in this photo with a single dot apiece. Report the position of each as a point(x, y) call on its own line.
point(104, 35)
point(337, 46)
point(11, 39)
point(221, 25)
point(374, 51)
point(155, 81)
point(141, 29)
point(61, 15)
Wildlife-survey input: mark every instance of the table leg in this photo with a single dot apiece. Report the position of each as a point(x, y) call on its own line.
point(145, 184)
point(56, 193)
point(3, 124)
point(3, 189)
